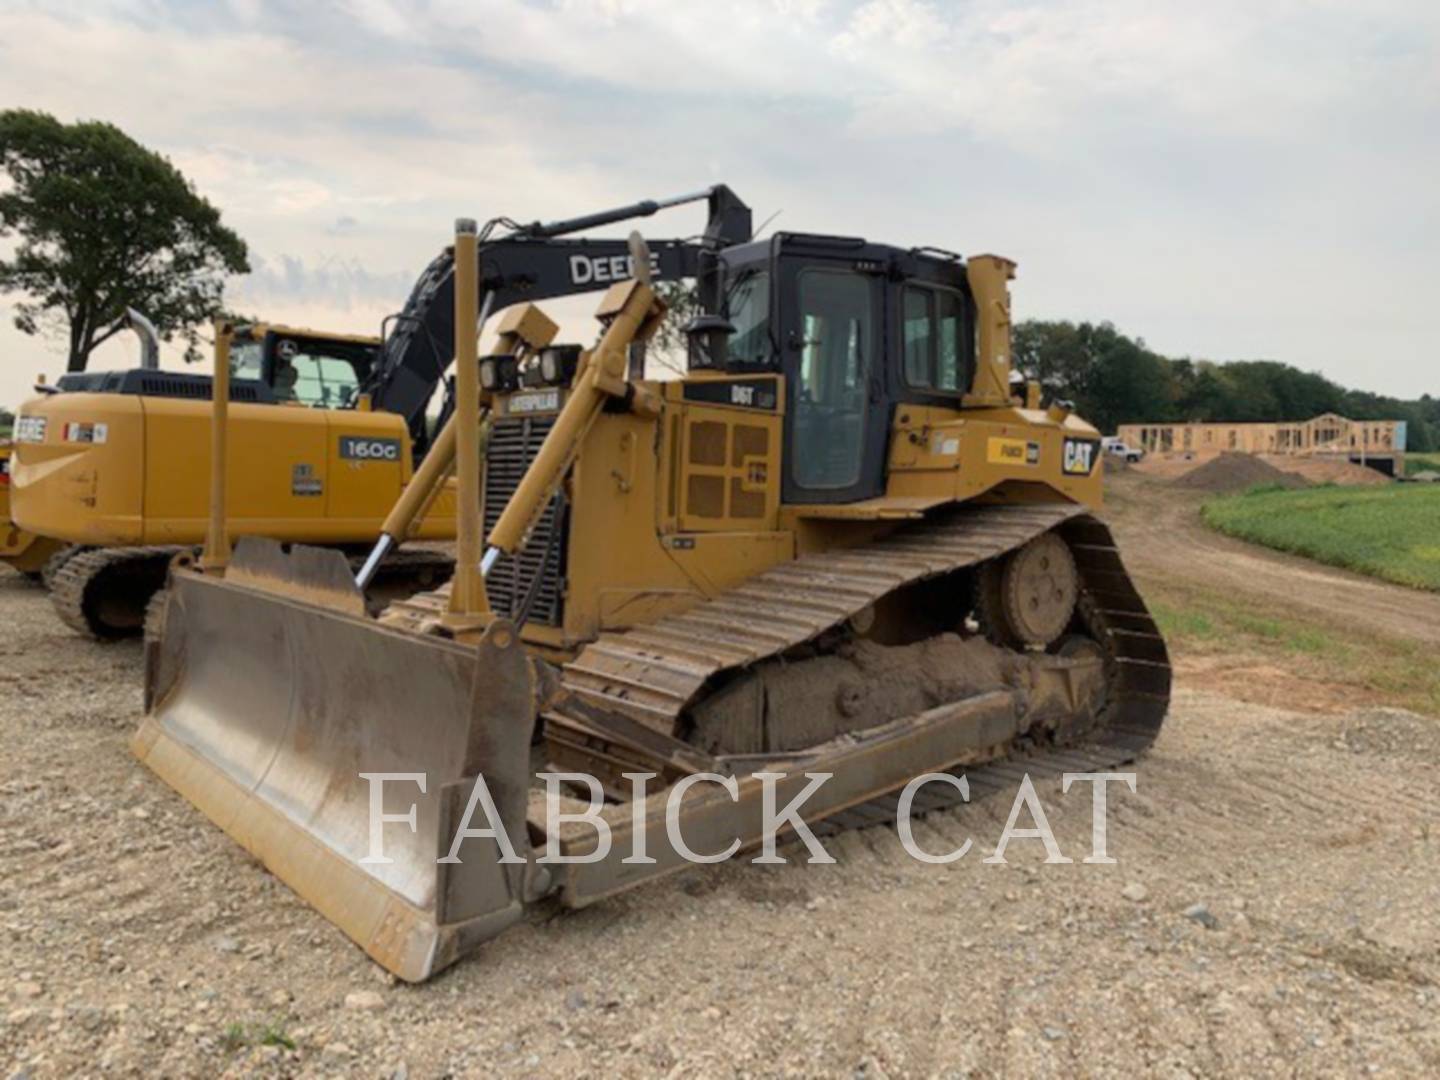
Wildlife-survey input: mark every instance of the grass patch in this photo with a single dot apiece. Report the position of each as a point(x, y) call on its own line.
point(1202, 621)
point(1185, 623)
point(239, 1036)
point(1390, 532)
point(1201, 617)
point(1416, 463)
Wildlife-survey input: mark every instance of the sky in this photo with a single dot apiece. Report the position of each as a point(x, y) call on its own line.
point(1226, 180)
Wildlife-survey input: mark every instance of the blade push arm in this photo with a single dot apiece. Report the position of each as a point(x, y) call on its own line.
point(523, 330)
point(632, 313)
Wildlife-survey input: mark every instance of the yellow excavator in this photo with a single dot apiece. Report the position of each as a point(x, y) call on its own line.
point(115, 465)
point(112, 465)
point(841, 545)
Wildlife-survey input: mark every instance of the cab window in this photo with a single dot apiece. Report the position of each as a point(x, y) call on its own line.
point(837, 321)
point(748, 306)
point(322, 375)
point(324, 382)
point(247, 360)
point(934, 339)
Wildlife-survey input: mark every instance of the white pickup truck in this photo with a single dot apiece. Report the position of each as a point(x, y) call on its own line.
point(1112, 444)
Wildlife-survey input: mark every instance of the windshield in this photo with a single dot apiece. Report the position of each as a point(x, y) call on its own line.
point(245, 360)
point(320, 372)
point(748, 308)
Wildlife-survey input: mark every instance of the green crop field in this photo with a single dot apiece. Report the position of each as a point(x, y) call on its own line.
point(1390, 532)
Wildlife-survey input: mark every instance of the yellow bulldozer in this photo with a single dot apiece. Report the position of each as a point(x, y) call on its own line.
point(842, 552)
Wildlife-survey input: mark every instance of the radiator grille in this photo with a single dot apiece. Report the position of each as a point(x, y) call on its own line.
point(514, 442)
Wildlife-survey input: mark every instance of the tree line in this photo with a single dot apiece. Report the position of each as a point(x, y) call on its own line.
point(1114, 379)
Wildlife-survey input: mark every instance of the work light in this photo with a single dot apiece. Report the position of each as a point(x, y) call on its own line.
point(558, 364)
point(499, 374)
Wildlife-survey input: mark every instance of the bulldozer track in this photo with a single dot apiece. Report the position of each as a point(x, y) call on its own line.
point(653, 673)
point(418, 614)
point(404, 570)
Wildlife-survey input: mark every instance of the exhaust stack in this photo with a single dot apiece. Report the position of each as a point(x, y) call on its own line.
point(149, 338)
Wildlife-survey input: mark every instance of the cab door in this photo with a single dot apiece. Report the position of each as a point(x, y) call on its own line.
point(832, 339)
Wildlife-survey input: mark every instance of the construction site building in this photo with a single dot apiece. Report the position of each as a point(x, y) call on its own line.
point(1379, 444)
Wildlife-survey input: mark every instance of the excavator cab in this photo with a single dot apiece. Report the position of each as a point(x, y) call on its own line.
point(323, 371)
point(837, 546)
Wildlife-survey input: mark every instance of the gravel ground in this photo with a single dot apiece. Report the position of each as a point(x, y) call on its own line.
point(1272, 910)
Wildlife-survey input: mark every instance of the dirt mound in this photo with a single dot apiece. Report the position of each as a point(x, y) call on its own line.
point(1172, 465)
point(1236, 472)
point(1327, 470)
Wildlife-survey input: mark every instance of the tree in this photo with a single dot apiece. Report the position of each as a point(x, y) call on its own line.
point(105, 224)
point(682, 303)
point(1112, 379)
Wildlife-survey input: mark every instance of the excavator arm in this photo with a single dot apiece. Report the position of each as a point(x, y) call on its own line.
point(534, 262)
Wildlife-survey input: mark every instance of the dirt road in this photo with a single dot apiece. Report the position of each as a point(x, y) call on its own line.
point(1158, 527)
point(1305, 847)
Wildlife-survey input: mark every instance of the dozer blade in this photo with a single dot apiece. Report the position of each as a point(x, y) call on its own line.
point(270, 697)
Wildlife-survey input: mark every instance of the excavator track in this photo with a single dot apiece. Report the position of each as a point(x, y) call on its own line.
point(654, 673)
point(102, 593)
point(56, 561)
point(108, 593)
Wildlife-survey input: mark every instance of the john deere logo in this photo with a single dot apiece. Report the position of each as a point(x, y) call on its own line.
point(603, 269)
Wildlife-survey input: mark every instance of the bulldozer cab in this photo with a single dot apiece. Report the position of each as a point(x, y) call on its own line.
point(855, 329)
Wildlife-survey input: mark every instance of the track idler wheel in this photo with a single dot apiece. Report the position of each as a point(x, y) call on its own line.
point(1027, 597)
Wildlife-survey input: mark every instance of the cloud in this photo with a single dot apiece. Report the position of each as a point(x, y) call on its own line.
point(334, 284)
point(1227, 179)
